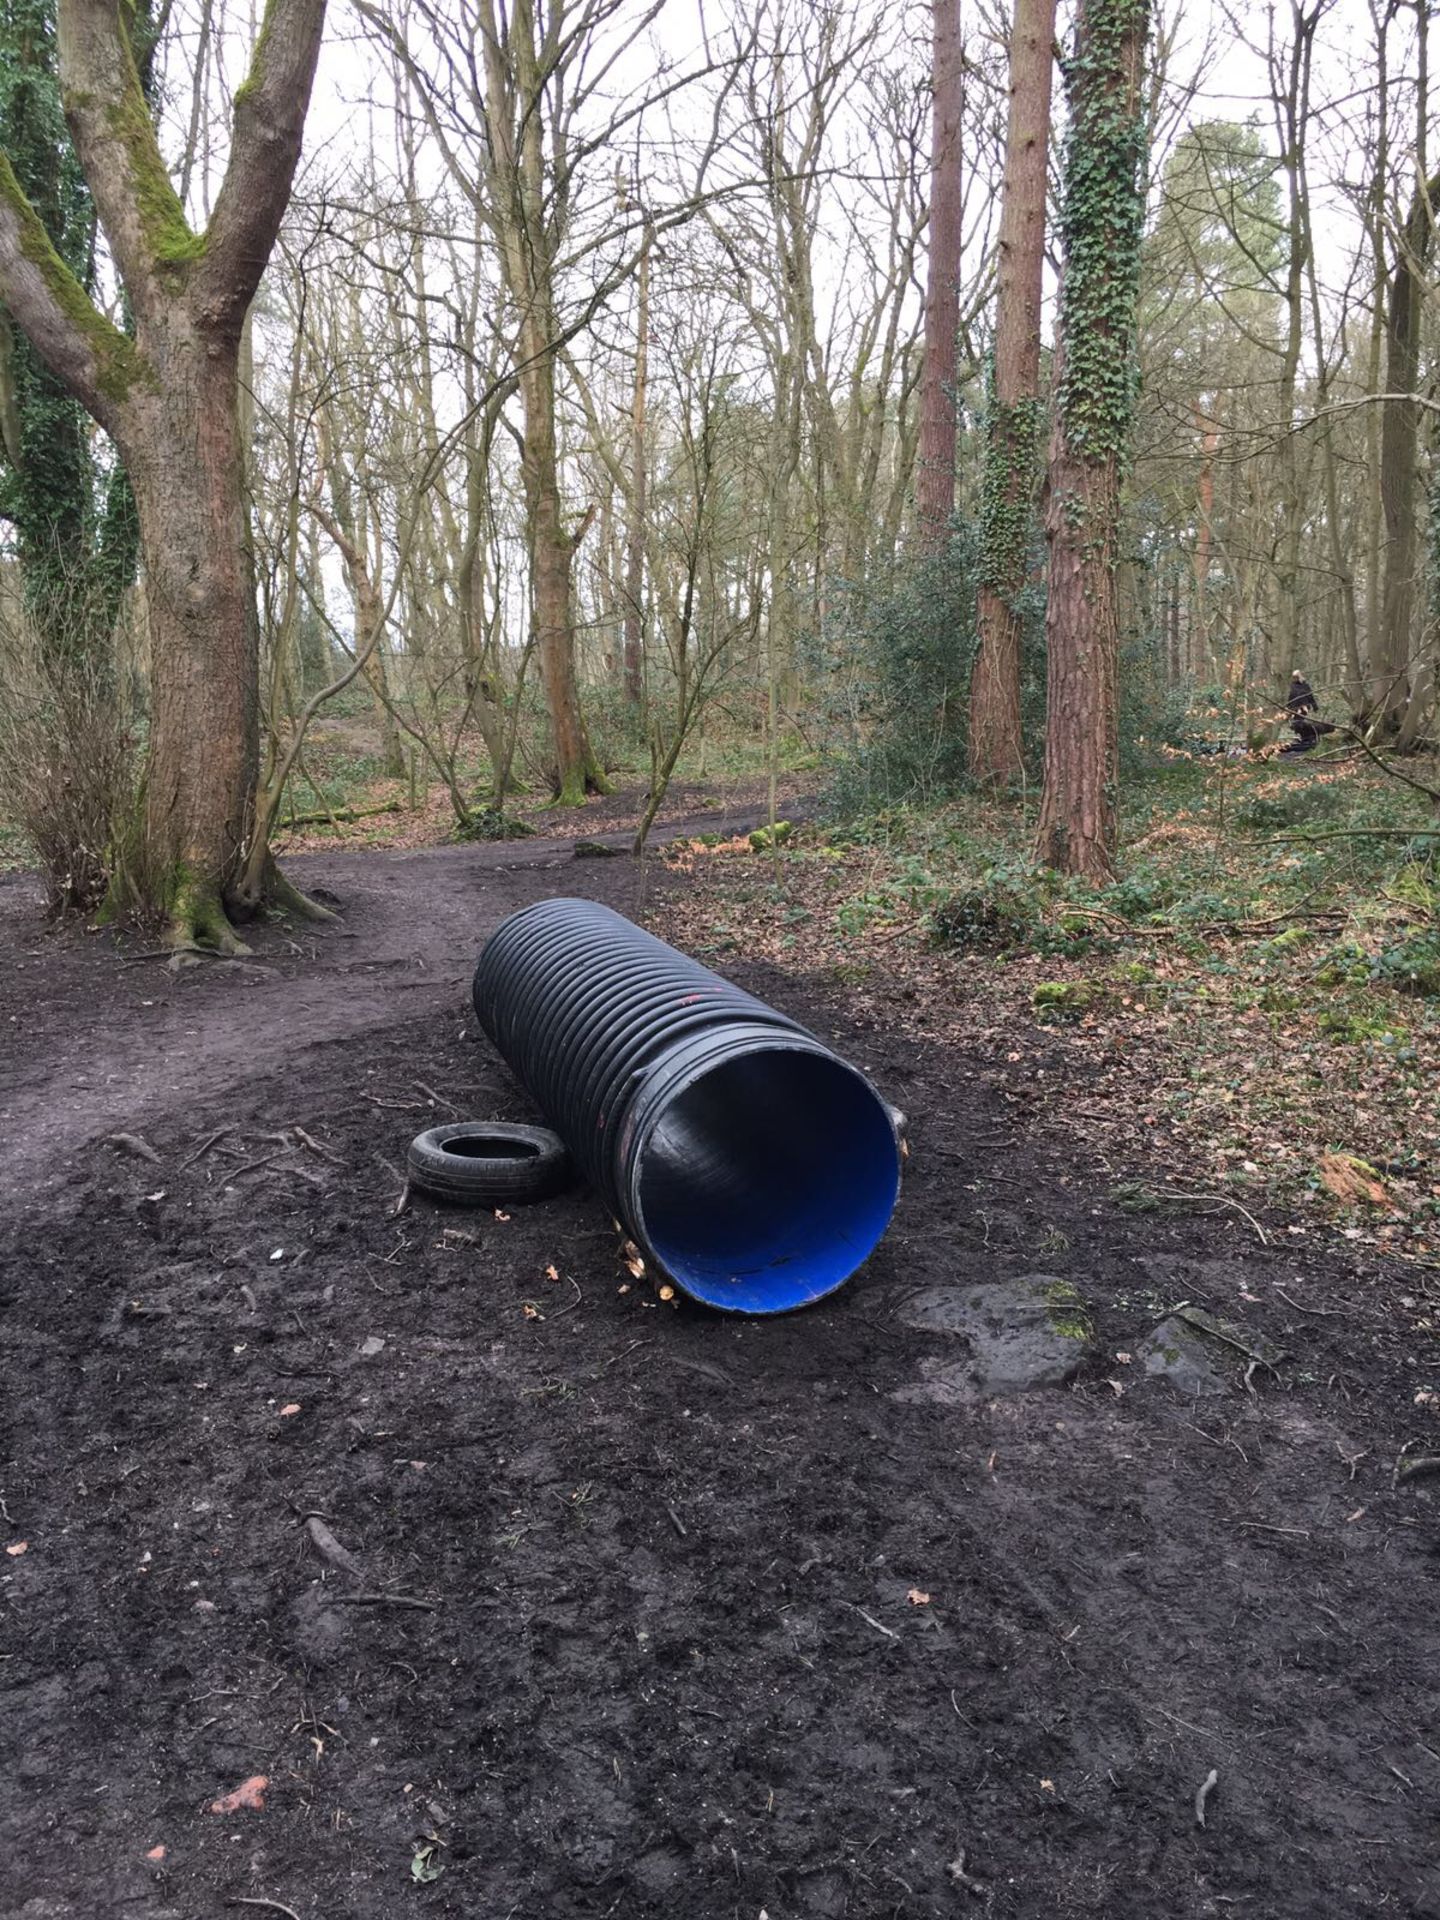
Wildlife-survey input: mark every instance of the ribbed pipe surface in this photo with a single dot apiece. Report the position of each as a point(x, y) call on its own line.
point(747, 1161)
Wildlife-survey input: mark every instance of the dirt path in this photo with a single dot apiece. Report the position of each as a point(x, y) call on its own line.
point(148, 1038)
point(852, 1615)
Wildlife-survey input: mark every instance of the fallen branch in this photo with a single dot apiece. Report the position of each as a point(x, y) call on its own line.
point(341, 816)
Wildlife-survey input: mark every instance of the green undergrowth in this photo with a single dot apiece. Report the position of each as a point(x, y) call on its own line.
point(1258, 989)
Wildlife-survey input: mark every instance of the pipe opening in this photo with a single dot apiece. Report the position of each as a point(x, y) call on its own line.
point(767, 1180)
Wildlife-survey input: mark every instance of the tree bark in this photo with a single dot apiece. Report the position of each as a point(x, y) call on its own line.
point(169, 401)
point(1399, 461)
point(1104, 207)
point(1013, 436)
point(516, 122)
point(634, 664)
point(935, 465)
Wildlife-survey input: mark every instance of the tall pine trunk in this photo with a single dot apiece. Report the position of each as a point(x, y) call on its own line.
point(935, 461)
point(1013, 437)
point(1095, 402)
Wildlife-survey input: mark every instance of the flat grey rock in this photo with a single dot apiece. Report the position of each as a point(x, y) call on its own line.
point(1017, 1335)
point(1193, 1363)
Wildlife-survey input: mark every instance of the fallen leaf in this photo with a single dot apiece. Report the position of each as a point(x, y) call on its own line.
point(530, 1313)
point(292, 1408)
point(917, 1598)
point(1117, 1387)
point(425, 1867)
point(552, 1272)
point(17, 1547)
point(250, 1793)
point(667, 1293)
point(156, 1853)
point(1354, 1516)
point(501, 1216)
point(1047, 1786)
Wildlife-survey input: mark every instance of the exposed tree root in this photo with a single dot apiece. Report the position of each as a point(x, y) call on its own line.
point(284, 894)
point(197, 918)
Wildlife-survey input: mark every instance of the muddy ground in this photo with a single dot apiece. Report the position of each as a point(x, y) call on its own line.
point(654, 1612)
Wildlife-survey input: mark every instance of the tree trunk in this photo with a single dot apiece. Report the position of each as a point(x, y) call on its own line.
point(639, 481)
point(169, 401)
point(552, 550)
point(935, 466)
point(183, 457)
point(1104, 208)
point(1399, 462)
point(1013, 437)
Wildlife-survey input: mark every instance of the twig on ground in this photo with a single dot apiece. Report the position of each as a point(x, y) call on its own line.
point(1264, 1526)
point(330, 1549)
point(1320, 1313)
point(168, 953)
point(399, 1204)
point(210, 1140)
point(254, 1166)
point(1202, 1794)
point(439, 1099)
point(324, 1153)
point(957, 1873)
point(879, 1625)
point(623, 1353)
point(384, 1600)
point(570, 1305)
point(677, 1522)
point(136, 1144)
point(275, 1906)
point(1216, 1199)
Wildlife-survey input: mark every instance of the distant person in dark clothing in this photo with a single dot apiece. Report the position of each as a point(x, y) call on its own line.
point(1300, 704)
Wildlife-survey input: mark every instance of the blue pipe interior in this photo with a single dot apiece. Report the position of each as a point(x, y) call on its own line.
point(768, 1180)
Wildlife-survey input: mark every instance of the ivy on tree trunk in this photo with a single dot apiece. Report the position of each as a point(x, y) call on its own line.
point(1095, 403)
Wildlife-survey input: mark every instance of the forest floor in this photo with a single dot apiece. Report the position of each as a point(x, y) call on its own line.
point(658, 1613)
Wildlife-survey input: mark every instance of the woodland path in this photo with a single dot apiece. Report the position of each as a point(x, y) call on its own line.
point(856, 1614)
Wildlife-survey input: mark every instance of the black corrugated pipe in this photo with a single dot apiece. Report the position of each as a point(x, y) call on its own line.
point(747, 1161)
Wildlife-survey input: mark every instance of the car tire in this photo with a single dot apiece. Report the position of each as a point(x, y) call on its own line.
point(488, 1163)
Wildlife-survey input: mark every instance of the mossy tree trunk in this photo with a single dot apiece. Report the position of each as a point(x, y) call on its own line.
point(1012, 448)
point(1095, 402)
point(169, 401)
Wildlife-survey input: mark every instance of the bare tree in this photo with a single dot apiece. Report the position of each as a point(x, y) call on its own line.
point(168, 398)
